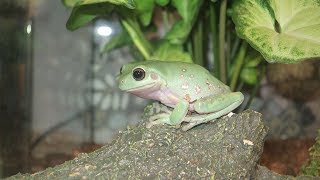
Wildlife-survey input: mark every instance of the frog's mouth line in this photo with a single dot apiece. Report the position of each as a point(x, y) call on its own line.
point(143, 87)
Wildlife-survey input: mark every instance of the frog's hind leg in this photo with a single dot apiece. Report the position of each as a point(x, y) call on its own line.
point(215, 106)
point(174, 117)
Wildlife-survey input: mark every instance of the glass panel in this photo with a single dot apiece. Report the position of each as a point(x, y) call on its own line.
point(15, 87)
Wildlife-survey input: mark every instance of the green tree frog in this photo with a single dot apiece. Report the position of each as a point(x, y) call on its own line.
point(185, 87)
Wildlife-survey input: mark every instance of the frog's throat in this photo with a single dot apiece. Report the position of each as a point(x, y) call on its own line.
point(145, 87)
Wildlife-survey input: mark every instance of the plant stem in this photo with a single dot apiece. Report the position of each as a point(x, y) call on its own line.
point(138, 37)
point(197, 39)
point(235, 47)
point(256, 87)
point(222, 31)
point(228, 50)
point(189, 48)
point(240, 86)
point(165, 20)
point(171, 18)
point(238, 64)
point(215, 41)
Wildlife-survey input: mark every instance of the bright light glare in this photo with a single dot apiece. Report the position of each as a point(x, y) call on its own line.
point(104, 31)
point(29, 28)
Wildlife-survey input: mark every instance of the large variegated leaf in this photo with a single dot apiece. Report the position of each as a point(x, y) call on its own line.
point(281, 30)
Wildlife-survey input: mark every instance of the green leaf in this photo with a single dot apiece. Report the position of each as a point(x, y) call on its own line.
point(86, 10)
point(145, 10)
point(122, 39)
point(188, 11)
point(128, 3)
point(162, 2)
point(253, 61)
point(249, 75)
point(179, 32)
point(171, 52)
point(117, 41)
point(70, 3)
point(285, 31)
point(132, 27)
point(83, 14)
point(253, 58)
point(249, 72)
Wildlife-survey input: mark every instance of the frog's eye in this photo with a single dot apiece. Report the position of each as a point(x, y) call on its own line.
point(138, 74)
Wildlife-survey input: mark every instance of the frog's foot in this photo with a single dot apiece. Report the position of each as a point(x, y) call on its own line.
point(174, 117)
point(191, 124)
point(166, 110)
point(162, 118)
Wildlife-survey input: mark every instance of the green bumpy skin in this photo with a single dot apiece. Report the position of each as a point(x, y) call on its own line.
point(185, 87)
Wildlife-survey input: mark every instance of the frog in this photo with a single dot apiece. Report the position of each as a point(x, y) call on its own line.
point(193, 95)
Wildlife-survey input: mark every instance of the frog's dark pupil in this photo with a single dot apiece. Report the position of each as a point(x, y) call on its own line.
point(138, 74)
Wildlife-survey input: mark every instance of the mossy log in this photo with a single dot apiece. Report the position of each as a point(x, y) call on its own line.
point(228, 148)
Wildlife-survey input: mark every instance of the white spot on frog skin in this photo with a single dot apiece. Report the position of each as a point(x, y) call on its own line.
point(209, 84)
point(184, 70)
point(181, 75)
point(185, 86)
point(198, 89)
point(191, 76)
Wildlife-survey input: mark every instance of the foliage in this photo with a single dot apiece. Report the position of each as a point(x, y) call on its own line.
point(282, 30)
point(277, 30)
point(312, 167)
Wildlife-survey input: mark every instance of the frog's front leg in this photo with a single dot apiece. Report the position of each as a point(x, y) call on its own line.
point(172, 118)
point(213, 107)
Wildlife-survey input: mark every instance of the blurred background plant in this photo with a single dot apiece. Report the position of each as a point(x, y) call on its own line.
point(311, 167)
point(214, 34)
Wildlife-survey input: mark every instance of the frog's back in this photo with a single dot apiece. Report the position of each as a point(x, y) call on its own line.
point(189, 80)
